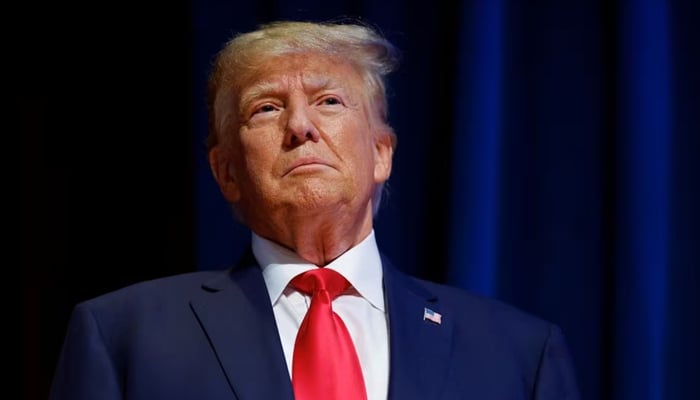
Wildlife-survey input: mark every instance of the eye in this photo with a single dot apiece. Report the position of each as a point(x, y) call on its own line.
point(330, 101)
point(265, 108)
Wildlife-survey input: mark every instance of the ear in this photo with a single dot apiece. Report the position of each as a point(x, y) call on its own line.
point(221, 164)
point(383, 155)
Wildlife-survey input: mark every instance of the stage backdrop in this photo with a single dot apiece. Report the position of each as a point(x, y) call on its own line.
point(547, 156)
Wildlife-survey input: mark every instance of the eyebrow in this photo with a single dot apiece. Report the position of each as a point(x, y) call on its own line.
point(272, 87)
point(260, 89)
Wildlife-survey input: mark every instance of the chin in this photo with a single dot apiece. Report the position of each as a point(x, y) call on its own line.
point(319, 199)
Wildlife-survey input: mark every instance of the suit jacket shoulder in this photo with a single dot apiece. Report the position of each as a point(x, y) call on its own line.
point(480, 347)
point(208, 334)
point(158, 289)
point(494, 315)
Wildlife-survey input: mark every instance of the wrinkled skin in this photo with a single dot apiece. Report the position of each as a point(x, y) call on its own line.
point(301, 152)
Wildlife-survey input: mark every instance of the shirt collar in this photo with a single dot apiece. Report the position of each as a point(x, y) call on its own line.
point(361, 266)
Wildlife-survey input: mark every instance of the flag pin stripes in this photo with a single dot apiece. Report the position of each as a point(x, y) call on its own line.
point(432, 316)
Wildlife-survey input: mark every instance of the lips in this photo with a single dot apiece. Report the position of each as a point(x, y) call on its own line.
point(303, 162)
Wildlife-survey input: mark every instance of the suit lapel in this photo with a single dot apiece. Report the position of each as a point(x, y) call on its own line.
point(236, 315)
point(419, 349)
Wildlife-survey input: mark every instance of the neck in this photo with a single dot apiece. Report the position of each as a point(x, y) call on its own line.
point(319, 239)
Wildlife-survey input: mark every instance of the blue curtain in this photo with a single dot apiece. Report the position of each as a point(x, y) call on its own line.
point(548, 156)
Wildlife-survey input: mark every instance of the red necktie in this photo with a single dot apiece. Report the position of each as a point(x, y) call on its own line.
point(325, 364)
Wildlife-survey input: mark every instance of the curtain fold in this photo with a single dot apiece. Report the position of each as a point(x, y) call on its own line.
point(643, 144)
point(478, 110)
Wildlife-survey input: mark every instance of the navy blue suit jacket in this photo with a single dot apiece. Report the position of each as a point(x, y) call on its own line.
point(212, 335)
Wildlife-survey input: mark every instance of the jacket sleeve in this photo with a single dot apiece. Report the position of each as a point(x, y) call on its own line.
point(85, 369)
point(556, 377)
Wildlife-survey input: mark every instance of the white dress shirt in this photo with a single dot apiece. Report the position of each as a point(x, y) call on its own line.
point(361, 307)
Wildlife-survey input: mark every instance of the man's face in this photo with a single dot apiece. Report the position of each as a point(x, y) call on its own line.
point(301, 137)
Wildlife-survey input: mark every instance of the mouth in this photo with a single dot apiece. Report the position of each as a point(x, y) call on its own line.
point(306, 164)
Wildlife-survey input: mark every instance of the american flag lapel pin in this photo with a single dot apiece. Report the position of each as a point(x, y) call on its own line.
point(430, 315)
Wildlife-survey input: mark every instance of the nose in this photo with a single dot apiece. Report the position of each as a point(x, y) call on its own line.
point(300, 126)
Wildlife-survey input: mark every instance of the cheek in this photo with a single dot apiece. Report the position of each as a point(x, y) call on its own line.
point(358, 146)
point(351, 131)
point(256, 142)
point(360, 140)
point(258, 151)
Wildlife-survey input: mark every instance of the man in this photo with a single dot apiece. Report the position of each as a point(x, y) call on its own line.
point(300, 146)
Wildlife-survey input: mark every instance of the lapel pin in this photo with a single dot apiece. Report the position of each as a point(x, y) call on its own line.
point(432, 316)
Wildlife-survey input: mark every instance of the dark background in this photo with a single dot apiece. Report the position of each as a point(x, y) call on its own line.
point(548, 157)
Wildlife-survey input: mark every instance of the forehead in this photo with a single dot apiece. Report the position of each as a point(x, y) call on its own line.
point(311, 69)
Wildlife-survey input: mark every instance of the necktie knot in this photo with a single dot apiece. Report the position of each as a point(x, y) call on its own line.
point(320, 279)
